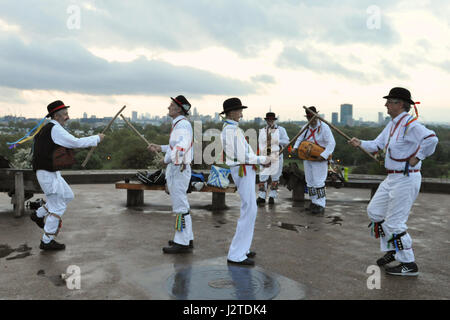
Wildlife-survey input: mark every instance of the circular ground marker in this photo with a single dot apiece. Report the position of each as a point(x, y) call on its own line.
point(221, 283)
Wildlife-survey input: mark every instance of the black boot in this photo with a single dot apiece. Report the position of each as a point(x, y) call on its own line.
point(52, 245)
point(39, 221)
point(316, 209)
point(177, 248)
point(191, 243)
point(404, 269)
point(387, 258)
point(246, 262)
point(260, 201)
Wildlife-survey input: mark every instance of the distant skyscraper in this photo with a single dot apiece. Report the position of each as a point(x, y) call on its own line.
point(380, 118)
point(334, 118)
point(84, 115)
point(346, 114)
point(134, 116)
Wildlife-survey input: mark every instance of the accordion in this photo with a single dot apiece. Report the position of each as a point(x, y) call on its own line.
point(310, 151)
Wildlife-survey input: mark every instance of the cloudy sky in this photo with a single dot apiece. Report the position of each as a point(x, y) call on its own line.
point(97, 56)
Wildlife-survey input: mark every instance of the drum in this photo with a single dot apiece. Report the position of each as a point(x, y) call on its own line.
point(310, 151)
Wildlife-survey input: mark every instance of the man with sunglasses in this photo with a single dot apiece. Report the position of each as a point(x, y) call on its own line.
point(316, 172)
point(406, 142)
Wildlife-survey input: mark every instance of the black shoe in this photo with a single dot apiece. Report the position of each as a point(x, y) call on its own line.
point(317, 209)
point(177, 248)
point(271, 200)
point(52, 245)
point(246, 262)
point(251, 254)
point(260, 201)
point(191, 243)
point(387, 258)
point(404, 269)
point(39, 221)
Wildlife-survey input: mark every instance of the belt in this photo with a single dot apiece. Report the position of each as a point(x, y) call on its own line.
point(401, 171)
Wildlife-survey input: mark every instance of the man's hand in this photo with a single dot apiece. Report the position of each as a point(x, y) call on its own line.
point(102, 136)
point(354, 142)
point(413, 161)
point(154, 148)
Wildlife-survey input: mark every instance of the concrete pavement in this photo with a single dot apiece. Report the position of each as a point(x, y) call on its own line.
point(118, 250)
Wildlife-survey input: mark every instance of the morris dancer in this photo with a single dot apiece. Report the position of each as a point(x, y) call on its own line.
point(242, 160)
point(178, 157)
point(316, 171)
point(406, 143)
point(56, 189)
point(271, 139)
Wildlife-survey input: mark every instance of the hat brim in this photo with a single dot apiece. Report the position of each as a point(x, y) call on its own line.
point(270, 118)
point(394, 97)
point(234, 108)
point(65, 107)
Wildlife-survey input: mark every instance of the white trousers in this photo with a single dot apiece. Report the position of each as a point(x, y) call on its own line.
point(58, 194)
point(315, 174)
point(178, 183)
point(242, 240)
point(275, 178)
point(392, 203)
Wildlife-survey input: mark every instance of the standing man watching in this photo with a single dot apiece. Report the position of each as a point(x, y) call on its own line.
point(271, 139)
point(178, 157)
point(242, 161)
point(406, 143)
point(316, 172)
point(56, 189)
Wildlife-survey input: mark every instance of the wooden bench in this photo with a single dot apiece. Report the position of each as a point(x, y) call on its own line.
point(135, 193)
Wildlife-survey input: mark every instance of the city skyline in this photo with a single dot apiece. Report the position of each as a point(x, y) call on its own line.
point(96, 55)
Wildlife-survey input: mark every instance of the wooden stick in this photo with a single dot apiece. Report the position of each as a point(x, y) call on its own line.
point(135, 130)
point(342, 134)
point(104, 130)
point(298, 135)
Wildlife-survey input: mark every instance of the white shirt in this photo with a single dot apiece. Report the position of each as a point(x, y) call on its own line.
point(61, 137)
point(402, 142)
point(236, 148)
point(179, 149)
point(279, 137)
point(321, 135)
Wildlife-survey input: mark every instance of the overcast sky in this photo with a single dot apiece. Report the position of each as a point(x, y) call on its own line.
point(97, 56)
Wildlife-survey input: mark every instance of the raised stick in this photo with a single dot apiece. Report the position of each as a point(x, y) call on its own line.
point(135, 130)
point(104, 130)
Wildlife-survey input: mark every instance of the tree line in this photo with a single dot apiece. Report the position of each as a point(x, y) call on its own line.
point(123, 149)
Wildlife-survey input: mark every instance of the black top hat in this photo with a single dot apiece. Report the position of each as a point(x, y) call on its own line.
point(232, 104)
point(400, 93)
point(270, 116)
point(183, 103)
point(312, 108)
point(55, 106)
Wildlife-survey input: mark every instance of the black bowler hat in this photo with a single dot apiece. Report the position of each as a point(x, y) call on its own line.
point(183, 103)
point(270, 116)
point(400, 93)
point(312, 108)
point(55, 106)
point(232, 104)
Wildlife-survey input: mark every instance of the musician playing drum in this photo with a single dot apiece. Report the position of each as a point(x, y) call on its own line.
point(319, 137)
